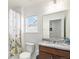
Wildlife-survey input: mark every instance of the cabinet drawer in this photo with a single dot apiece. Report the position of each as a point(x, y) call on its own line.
point(54, 51)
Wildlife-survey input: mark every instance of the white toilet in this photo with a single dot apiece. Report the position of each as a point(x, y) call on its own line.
point(29, 50)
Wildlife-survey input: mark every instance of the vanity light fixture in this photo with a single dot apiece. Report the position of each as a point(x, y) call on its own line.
point(54, 1)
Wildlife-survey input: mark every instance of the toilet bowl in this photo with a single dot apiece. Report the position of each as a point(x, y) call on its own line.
point(25, 55)
point(29, 50)
point(37, 50)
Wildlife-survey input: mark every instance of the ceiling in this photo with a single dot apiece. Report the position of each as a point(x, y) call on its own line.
point(25, 3)
point(33, 7)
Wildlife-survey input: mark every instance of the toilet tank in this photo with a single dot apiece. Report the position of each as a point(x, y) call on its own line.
point(29, 47)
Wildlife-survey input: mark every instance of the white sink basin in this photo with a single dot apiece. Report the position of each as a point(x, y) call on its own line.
point(57, 45)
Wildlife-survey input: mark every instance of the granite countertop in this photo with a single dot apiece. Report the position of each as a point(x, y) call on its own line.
point(62, 46)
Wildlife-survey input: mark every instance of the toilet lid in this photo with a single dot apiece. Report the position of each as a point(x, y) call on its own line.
point(25, 55)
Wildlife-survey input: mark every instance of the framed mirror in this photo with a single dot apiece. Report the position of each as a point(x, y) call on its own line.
point(54, 25)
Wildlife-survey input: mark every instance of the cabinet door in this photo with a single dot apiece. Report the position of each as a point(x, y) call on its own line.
point(52, 53)
point(58, 57)
point(45, 56)
point(49, 56)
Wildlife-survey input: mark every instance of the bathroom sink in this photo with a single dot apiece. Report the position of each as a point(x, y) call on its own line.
point(60, 44)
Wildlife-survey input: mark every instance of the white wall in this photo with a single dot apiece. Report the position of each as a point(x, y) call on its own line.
point(40, 10)
point(68, 25)
point(34, 37)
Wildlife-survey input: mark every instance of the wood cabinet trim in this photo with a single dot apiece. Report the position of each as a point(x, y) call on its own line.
point(54, 51)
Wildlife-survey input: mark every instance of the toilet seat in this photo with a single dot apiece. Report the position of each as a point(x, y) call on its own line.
point(25, 55)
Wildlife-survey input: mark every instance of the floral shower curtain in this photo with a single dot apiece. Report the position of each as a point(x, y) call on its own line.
point(14, 33)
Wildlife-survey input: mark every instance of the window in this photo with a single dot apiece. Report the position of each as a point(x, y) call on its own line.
point(31, 24)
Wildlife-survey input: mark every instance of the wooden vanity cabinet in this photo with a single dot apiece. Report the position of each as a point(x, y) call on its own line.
point(53, 53)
